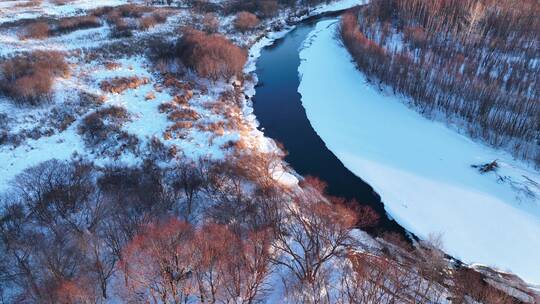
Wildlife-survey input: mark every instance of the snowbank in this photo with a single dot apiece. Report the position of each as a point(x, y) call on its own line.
point(421, 168)
point(265, 143)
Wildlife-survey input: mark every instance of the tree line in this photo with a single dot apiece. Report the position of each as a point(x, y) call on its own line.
point(475, 61)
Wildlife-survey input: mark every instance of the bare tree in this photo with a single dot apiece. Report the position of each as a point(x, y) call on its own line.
point(312, 235)
point(157, 264)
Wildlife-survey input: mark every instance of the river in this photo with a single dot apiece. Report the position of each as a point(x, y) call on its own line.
point(278, 108)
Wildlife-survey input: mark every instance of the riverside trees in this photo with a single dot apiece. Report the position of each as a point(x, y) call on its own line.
point(472, 60)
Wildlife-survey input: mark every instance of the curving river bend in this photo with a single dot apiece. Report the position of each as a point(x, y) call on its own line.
point(278, 108)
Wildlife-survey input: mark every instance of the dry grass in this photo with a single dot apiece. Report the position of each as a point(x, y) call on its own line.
point(246, 21)
point(120, 84)
point(180, 125)
point(183, 114)
point(149, 21)
point(97, 127)
point(211, 56)
point(36, 30)
point(31, 3)
point(178, 130)
point(61, 2)
point(70, 24)
point(150, 96)
point(218, 128)
point(112, 65)
point(28, 79)
point(166, 107)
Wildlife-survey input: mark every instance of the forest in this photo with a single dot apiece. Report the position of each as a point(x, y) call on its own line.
point(205, 232)
point(472, 63)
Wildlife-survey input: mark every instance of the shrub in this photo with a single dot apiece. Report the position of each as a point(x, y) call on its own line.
point(99, 125)
point(37, 30)
point(152, 20)
point(246, 21)
point(101, 11)
point(120, 84)
point(29, 78)
point(147, 22)
point(120, 27)
point(160, 17)
point(76, 23)
point(117, 20)
point(31, 3)
point(268, 8)
point(132, 10)
point(61, 2)
point(184, 114)
point(210, 23)
point(166, 107)
point(204, 6)
point(235, 6)
point(211, 56)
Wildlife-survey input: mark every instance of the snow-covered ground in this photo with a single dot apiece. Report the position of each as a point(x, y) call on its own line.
point(422, 169)
point(146, 121)
point(13, 10)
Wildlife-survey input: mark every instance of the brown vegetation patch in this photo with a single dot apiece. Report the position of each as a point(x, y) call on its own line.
point(215, 127)
point(112, 65)
point(166, 107)
point(29, 78)
point(180, 125)
point(30, 3)
point(120, 26)
point(37, 30)
point(150, 95)
point(149, 21)
point(103, 127)
point(71, 24)
point(183, 114)
point(43, 29)
point(211, 56)
point(120, 84)
point(132, 10)
point(178, 130)
point(61, 2)
point(246, 21)
point(210, 23)
point(180, 99)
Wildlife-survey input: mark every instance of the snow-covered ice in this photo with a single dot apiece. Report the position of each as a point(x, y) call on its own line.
point(422, 169)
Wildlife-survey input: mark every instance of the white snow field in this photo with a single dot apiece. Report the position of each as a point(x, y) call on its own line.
point(13, 10)
point(421, 168)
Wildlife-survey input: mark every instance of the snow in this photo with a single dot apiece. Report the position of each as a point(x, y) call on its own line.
point(146, 121)
point(59, 146)
point(10, 11)
point(337, 6)
point(422, 169)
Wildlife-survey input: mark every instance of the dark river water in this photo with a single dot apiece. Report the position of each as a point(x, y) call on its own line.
point(279, 110)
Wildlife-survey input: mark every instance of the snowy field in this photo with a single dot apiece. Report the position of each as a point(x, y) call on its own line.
point(146, 121)
point(422, 169)
point(13, 10)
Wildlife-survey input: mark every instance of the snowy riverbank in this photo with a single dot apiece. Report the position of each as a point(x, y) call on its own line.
point(421, 168)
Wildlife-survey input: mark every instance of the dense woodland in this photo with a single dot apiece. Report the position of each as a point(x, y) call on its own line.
point(205, 232)
point(474, 61)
